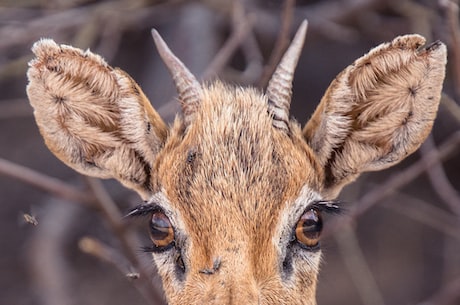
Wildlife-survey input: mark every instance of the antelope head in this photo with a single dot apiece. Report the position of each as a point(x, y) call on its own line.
point(234, 188)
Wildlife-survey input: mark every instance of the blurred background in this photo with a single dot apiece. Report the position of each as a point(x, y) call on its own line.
point(62, 237)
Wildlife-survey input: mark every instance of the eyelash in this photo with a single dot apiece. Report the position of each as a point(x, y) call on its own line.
point(142, 210)
point(327, 206)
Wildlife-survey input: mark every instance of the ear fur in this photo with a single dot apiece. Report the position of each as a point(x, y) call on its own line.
point(93, 117)
point(378, 110)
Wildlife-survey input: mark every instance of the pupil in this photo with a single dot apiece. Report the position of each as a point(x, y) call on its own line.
point(312, 224)
point(312, 229)
point(160, 227)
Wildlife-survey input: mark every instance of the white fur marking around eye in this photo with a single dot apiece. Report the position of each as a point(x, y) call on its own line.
point(165, 259)
point(290, 215)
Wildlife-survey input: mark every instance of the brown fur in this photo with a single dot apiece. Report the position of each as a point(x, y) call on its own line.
point(232, 184)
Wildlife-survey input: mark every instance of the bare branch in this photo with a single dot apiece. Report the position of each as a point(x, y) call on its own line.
point(250, 47)
point(397, 181)
point(227, 50)
point(44, 182)
point(105, 253)
point(357, 267)
point(425, 213)
point(99, 199)
point(127, 238)
point(439, 180)
point(452, 106)
point(281, 43)
point(46, 253)
point(451, 9)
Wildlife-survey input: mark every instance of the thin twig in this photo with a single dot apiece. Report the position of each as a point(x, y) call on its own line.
point(397, 181)
point(250, 47)
point(105, 253)
point(126, 13)
point(357, 267)
point(227, 50)
point(439, 180)
point(419, 16)
point(451, 10)
point(330, 18)
point(452, 107)
point(126, 237)
point(424, 213)
point(13, 35)
point(99, 199)
point(46, 253)
point(281, 43)
point(44, 182)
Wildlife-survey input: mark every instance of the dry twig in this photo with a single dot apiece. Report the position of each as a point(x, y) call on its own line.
point(52, 185)
point(46, 253)
point(451, 9)
point(357, 267)
point(281, 43)
point(425, 213)
point(126, 237)
point(439, 180)
point(231, 45)
point(452, 106)
point(397, 181)
point(105, 253)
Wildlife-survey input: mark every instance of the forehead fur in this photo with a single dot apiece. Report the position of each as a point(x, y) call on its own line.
point(231, 166)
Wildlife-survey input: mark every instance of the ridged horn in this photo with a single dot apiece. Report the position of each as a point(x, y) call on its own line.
point(188, 88)
point(279, 89)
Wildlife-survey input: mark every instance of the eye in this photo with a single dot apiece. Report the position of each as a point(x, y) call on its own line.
point(161, 231)
point(308, 229)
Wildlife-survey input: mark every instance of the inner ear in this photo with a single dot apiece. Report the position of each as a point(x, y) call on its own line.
point(378, 110)
point(93, 117)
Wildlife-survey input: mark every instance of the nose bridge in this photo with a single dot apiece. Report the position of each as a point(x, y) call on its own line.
point(229, 275)
point(228, 265)
point(237, 258)
point(237, 278)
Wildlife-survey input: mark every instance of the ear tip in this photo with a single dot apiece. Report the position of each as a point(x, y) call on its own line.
point(44, 45)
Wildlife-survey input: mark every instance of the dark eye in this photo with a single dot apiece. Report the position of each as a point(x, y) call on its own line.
point(161, 230)
point(308, 229)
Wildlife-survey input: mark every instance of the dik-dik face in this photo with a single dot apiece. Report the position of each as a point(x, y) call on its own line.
point(234, 189)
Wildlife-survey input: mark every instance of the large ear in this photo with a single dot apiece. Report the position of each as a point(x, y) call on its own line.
point(378, 110)
point(93, 117)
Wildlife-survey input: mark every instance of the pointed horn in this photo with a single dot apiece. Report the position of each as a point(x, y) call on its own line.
point(188, 88)
point(279, 89)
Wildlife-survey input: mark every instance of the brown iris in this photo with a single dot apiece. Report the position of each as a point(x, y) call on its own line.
point(161, 230)
point(308, 228)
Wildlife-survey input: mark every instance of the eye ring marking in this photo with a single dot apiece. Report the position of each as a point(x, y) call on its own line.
point(308, 229)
